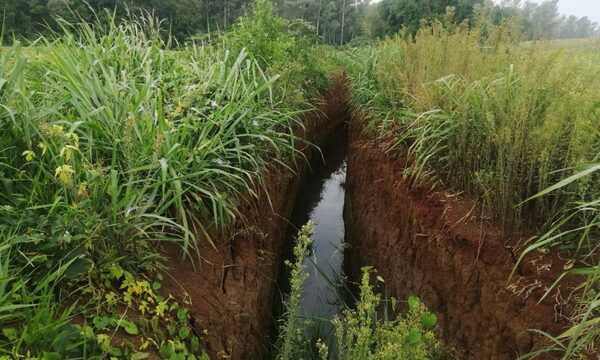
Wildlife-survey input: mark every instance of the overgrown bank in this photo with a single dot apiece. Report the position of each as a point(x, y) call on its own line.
point(469, 112)
point(113, 144)
point(436, 245)
point(233, 287)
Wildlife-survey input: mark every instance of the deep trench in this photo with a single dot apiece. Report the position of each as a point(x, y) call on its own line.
point(422, 241)
point(320, 199)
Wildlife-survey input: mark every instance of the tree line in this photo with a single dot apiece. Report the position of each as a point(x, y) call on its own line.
point(335, 21)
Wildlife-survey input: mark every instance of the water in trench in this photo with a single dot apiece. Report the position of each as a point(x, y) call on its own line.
point(319, 295)
point(321, 199)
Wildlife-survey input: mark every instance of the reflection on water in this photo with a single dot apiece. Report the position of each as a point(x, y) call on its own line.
point(326, 258)
point(321, 198)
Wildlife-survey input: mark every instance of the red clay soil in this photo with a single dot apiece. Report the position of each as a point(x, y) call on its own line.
point(432, 244)
point(232, 290)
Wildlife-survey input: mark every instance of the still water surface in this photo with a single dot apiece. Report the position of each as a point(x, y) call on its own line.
point(321, 199)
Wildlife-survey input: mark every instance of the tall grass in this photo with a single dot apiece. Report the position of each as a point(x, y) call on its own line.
point(502, 121)
point(489, 116)
point(111, 143)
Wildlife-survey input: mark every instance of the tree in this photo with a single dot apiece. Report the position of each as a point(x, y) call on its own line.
point(407, 14)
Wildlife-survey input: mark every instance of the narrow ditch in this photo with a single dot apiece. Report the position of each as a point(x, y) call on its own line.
point(420, 240)
point(320, 199)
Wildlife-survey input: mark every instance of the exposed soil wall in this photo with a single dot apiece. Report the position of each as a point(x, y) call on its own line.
point(437, 246)
point(233, 288)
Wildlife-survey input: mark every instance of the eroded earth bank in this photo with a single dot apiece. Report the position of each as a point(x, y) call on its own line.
point(233, 287)
point(438, 246)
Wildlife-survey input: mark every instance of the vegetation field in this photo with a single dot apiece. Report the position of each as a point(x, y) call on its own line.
point(129, 126)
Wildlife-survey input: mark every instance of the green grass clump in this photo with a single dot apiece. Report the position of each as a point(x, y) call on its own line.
point(288, 47)
point(112, 143)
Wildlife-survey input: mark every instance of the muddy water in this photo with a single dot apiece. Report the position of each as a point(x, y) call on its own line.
point(321, 199)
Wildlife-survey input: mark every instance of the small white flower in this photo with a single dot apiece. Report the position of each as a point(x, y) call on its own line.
point(214, 104)
point(255, 123)
point(131, 210)
point(220, 162)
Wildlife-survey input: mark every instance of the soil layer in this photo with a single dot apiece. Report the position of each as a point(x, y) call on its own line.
point(435, 245)
point(233, 288)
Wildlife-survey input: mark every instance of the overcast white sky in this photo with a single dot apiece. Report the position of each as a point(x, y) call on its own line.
point(589, 8)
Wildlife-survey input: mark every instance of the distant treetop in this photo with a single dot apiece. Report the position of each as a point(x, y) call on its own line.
point(335, 21)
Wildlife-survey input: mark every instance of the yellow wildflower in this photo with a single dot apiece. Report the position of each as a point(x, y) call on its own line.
point(83, 192)
point(180, 107)
point(42, 147)
point(74, 138)
point(29, 155)
point(67, 152)
point(64, 173)
point(58, 130)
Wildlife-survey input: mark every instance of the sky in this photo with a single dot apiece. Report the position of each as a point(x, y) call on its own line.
point(589, 8)
point(579, 8)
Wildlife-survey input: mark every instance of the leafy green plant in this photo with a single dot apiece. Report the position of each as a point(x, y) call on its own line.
point(361, 333)
point(286, 48)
